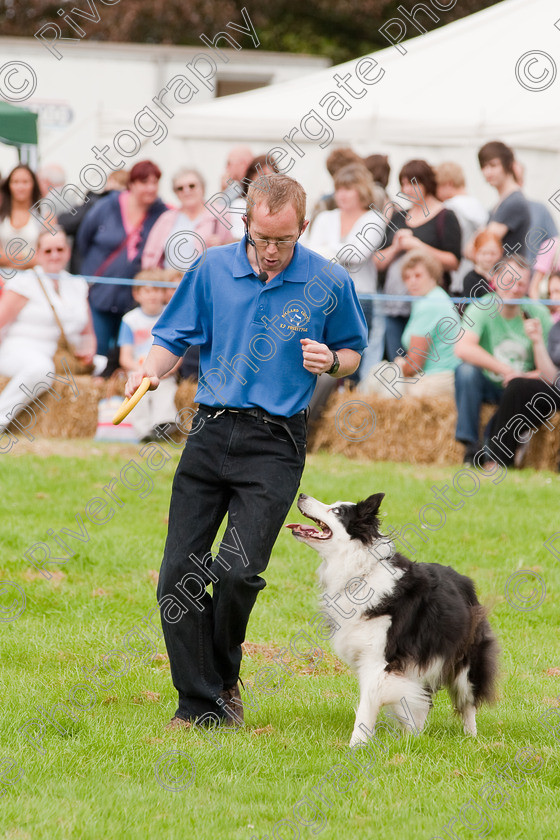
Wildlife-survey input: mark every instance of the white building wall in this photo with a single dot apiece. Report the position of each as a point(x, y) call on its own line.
point(95, 90)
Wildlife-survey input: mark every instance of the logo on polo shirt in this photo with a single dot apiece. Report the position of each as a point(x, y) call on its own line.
point(296, 316)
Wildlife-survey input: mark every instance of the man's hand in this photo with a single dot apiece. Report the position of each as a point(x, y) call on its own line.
point(317, 358)
point(159, 361)
point(135, 377)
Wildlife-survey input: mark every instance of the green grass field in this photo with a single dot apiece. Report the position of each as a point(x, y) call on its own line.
point(93, 775)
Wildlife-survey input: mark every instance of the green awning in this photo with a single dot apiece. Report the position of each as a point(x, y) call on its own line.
point(18, 126)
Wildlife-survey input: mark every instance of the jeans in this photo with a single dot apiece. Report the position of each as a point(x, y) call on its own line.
point(106, 326)
point(394, 328)
point(523, 398)
point(472, 388)
point(373, 353)
point(246, 468)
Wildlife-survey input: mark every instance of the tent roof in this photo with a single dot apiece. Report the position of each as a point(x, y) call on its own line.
point(454, 85)
point(18, 126)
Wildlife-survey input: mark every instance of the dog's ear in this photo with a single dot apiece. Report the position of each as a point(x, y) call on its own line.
point(364, 524)
point(371, 505)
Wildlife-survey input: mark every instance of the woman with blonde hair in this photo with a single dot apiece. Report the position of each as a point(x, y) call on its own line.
point(351, 234)
point(192, 216)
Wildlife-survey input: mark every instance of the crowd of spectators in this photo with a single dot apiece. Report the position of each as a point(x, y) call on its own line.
point(431, 241)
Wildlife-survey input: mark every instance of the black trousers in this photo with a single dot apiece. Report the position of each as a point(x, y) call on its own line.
point(249, 469)
point(522, 400)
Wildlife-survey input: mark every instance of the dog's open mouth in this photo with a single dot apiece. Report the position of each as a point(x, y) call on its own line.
point(308, 532)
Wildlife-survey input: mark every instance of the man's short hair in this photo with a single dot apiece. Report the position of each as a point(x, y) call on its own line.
point(450, 173)
point(431, 264)
point(497, 149)
point(275, 192)
point(380, 169)
point(341, 157)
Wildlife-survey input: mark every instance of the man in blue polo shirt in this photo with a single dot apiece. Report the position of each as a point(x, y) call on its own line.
point(269, 316)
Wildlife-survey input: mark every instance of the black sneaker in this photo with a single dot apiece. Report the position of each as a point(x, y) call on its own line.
point(471, 450)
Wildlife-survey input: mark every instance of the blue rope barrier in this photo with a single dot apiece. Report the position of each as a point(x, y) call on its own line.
point(120, 281)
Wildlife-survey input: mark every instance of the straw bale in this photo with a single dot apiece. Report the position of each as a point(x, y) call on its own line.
point(415, 430)
point(75, 415)
point(365, 427)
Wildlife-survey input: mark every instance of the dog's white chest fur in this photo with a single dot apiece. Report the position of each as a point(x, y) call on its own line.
point(349, 588)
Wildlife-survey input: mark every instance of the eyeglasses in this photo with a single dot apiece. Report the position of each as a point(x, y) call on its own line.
point(182, 187)
point(54, 250)
point(281, 244)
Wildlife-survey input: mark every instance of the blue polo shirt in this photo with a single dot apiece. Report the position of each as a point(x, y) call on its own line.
point(249, 332)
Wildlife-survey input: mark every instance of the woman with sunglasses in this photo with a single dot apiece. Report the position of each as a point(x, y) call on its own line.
point(18, 193)
point(170, 243)
point(30, 331)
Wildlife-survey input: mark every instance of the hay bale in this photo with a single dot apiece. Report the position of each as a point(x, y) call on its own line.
point(416, 430)
point(543, 451)
point(75, 415)
point(370, 427)
point(365, 427)
point(185, 393)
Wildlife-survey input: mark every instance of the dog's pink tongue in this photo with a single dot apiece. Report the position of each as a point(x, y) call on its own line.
point(298, 526)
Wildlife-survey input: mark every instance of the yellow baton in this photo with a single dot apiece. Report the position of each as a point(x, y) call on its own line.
point(129, 404)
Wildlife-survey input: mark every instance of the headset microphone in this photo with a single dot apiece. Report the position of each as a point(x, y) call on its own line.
point(262, 275)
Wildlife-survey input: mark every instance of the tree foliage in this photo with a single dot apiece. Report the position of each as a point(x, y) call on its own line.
point(338, 29)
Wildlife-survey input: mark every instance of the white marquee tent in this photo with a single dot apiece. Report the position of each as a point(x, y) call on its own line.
point(489, 76)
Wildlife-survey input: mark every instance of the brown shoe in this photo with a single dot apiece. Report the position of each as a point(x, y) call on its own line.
point(232, 706)
point(177, 722)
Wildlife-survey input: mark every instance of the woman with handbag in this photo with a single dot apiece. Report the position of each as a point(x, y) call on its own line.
point(42, 317)
point(111, 240)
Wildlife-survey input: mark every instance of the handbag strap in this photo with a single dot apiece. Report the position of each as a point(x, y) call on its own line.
point(124, 244)
point(55, 313)
point(440, 225)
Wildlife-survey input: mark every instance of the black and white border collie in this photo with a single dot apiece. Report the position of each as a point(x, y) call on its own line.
point(410, 628)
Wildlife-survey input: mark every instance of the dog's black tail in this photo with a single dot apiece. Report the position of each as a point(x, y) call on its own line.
point(483, 658)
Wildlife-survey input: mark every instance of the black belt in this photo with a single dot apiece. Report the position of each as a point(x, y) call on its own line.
point(259, 414)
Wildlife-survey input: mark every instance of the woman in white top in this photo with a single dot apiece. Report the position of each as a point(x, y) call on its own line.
point(19, 230)
point(29, 331)
point(351, 234)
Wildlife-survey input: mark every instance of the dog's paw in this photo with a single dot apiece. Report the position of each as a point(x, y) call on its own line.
point(358, 739)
